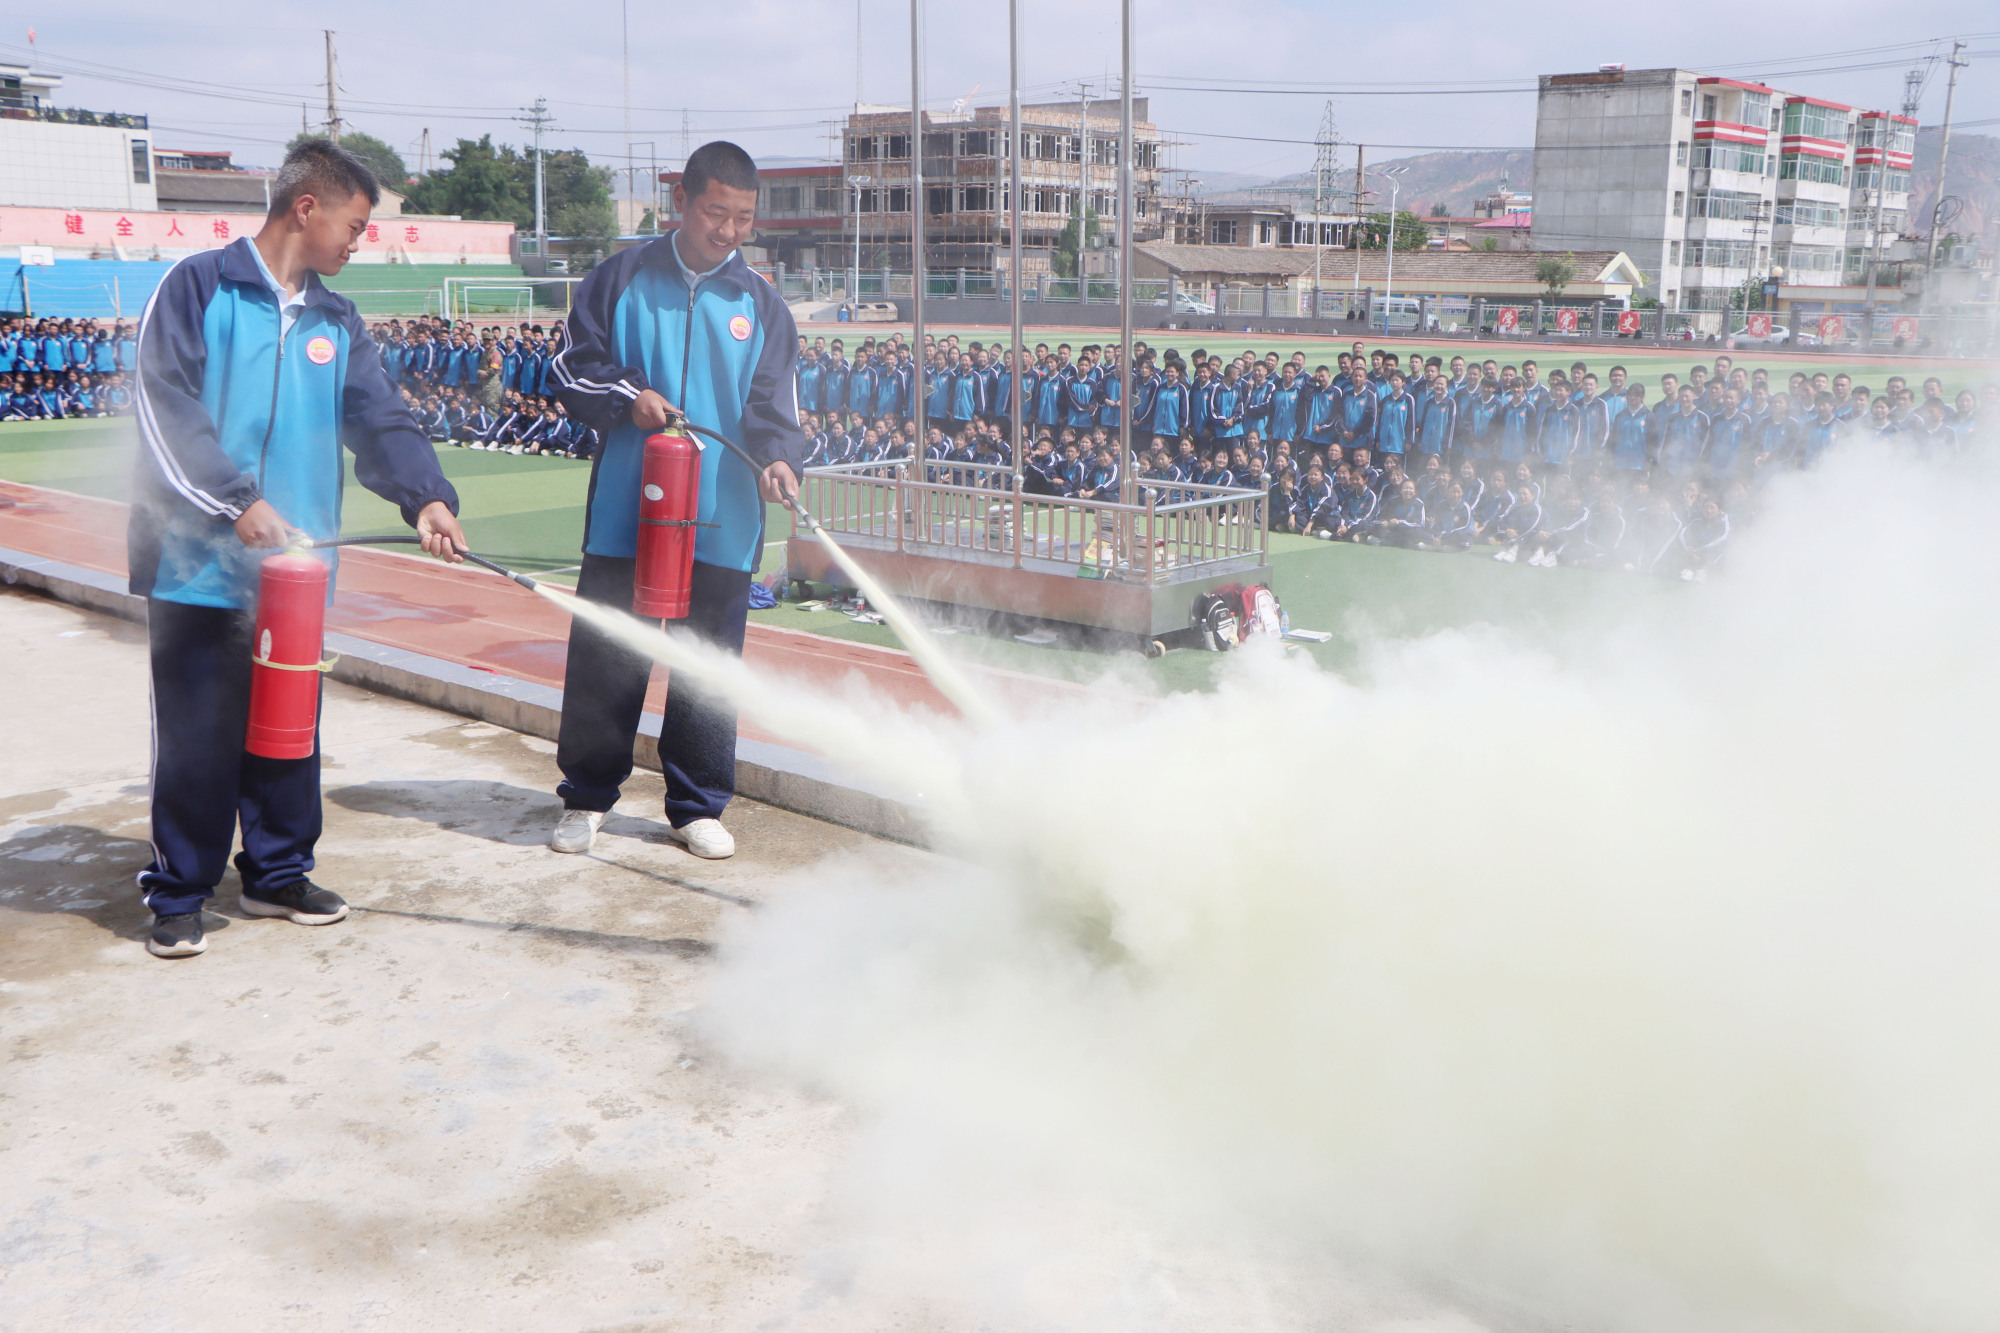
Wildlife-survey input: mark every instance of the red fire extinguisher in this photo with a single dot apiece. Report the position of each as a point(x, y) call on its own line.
point(285, 657)
point(669, 499)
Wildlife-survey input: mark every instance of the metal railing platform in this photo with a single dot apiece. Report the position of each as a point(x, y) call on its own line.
point(966, 535)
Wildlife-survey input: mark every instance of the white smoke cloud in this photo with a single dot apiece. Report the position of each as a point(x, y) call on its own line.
point(1642, 982)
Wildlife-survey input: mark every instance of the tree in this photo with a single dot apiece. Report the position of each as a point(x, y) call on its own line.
point(1440, 211)
point(1556, 272)
point(496, 183)
point(479, 184)
point(1082, 229)
point(384, 161)
point(590, 228)
point(1411, 231)
point(1489, 244)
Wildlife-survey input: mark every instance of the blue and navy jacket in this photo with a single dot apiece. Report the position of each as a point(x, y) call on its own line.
point(230, 414)
point(1357, 414)
point(1727, 437)
point(1632, 439)
point(722, 351)
point(1520, 428)
point(1437, 423)
point(1225, 409)
point(1284, 412)
point(1170, 409)
point(1683, 440)
point(1562, 432)
point(1395, 416)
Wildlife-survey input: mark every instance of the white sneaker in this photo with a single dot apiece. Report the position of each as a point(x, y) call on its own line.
point(706, 838)
point(576, 830)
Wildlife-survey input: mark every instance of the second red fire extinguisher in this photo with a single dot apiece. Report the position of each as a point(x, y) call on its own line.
point(669, 500)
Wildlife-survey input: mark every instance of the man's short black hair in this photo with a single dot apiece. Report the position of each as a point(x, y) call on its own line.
point(324, 170)
point(720, 161)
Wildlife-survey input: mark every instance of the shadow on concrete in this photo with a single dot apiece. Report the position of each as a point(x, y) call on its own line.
point(512, 816)
point(76, 871)
point(679, 947)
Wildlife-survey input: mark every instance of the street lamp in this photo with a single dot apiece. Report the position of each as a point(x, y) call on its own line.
point(1389, 282)
point(855, 183)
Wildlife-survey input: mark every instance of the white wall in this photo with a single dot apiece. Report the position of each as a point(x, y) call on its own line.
point(48, 165)
point(1605, 173)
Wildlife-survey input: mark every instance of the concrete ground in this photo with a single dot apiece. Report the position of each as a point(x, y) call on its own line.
point(474, 1104)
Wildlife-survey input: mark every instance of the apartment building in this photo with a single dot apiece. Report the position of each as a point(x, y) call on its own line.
point(1069, 154)
point(1708, 182)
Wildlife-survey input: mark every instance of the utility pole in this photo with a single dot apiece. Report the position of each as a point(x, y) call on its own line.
point(1944, 153)
point(919, 279)
point(625, 67)
point(539, 119)
point(1128, 479)
point(1874, 252)
point(1014, 423)
point(1354, 228)
point(424, 153)
point(332, 90)
point(1082, 180)
point(1322, 181)
point(857, 55)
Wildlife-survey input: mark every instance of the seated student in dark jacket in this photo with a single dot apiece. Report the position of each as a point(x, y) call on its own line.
point(1492, 506)
point(475, 425)
point(1702, 539)
point(1563, 516)
point(1517, 525)
point(1399, 519)
point(1450, 525)
point(1287, 511)
point(1595, 545)
point(1315, 492)
point(1069, 474)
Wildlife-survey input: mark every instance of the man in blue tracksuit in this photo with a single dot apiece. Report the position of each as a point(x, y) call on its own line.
point(680, 324)
point(227, 469)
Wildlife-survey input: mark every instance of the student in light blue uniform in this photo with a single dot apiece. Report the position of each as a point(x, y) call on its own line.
point(680, 324)
point(225, 473)
point(1632, 434)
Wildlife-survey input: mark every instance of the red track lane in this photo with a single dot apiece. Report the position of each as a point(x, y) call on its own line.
point(465, 615)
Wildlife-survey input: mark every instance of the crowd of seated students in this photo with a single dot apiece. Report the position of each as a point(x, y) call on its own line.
point(1425, 454)
point(489, 387)
point(55, 369)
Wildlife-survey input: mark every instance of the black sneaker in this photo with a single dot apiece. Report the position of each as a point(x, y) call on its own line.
point(176, 936)
point(303, 901)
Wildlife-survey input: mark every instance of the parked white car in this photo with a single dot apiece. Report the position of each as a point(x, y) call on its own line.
point(1187, 305)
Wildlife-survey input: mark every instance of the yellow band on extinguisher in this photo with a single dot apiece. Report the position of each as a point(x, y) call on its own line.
point(327, 665)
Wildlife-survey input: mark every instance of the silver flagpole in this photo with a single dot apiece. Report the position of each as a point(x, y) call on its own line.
point(1014, 227)
point(917, 276)
point(1128, 482)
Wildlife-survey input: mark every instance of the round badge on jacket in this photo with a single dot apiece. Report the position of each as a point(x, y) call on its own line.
point(320, 350)
point(739, 327)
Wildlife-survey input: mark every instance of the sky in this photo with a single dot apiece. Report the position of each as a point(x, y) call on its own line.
point(773, 76)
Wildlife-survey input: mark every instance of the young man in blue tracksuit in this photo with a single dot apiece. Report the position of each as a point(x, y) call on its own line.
point(1632, 441)
point(680, 324)
point(1395, 419)
point(227, 470)
point(1171, 405)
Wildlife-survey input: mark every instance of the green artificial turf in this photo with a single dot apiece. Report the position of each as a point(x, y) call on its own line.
point(527, 513)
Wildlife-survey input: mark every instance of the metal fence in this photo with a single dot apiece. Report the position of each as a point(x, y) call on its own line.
point(972, 511)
